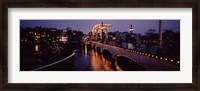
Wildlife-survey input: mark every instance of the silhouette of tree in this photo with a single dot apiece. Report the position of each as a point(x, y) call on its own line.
point(150, 36)
point(68, 28)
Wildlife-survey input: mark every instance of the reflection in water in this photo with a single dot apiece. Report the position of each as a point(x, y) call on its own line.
point(90, 60)
point(36, 48)
point(86, 49)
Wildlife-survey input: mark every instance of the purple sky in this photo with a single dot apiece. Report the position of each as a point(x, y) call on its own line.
point(140, 26)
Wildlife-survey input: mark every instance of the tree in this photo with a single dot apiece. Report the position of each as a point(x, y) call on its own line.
point(150, 34)
point(68, 28)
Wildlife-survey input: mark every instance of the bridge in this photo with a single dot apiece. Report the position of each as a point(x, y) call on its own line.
point(148, 61)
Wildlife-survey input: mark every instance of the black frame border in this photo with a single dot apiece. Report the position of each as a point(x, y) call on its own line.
point(194, 4)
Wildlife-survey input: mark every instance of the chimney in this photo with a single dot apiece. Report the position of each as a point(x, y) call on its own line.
point(160, 32)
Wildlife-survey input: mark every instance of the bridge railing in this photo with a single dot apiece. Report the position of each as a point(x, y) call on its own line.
point(146, 59)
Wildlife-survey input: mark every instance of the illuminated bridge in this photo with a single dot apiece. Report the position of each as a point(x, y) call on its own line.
point(148, 61)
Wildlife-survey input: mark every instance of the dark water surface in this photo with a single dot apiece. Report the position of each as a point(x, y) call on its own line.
point(90, 60)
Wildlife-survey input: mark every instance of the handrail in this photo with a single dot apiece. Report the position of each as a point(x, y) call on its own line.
point(55, 62)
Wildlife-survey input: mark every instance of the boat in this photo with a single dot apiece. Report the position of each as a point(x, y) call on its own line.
point(65, 64)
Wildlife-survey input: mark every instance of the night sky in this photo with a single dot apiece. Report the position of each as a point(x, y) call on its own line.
point(140, 26)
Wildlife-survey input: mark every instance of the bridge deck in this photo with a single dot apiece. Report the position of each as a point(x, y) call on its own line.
point(148, 61)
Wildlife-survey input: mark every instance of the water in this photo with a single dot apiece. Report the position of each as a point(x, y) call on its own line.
point(90, 60)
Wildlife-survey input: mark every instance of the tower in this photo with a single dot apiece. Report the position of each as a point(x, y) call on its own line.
point(160, 32)
point(131, 29)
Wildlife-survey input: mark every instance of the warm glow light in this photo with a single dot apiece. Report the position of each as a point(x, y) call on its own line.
point(43, 35)
point(160, 57)
point(64, 39)
point(178, 62)
point(64, 30)
point(86, 49)
point(171, 60)
point(36, 48)
point(165, 58)
point(53, 30)
point(37, 37)
point(114, 38)
point(156, 56)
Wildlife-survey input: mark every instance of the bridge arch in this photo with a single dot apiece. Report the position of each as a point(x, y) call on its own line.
point(104, 49)
point(108, 55)
point(127, 63)
point(93, 46)
point(98, 49)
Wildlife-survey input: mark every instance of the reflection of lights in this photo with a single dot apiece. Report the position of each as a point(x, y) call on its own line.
point(36, 48)
point(86, 49)
point(37, 37)
point(35, 33)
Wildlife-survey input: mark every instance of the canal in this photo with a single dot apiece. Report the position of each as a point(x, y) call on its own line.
point(90, 60)
point(85, 59)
